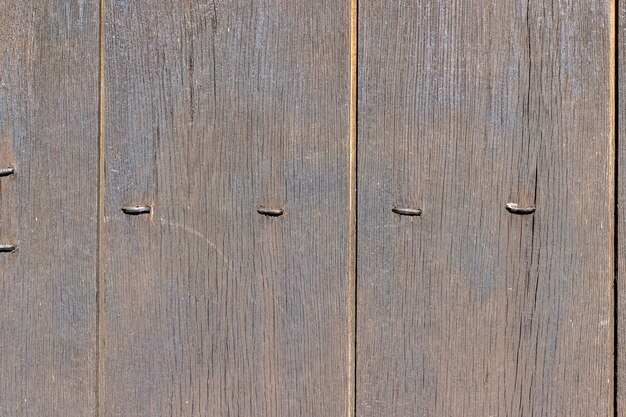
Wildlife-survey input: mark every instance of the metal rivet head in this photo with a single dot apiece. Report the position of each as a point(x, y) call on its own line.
point(136, 210)
point(4, 172)
point(7, 247)
point(516, 209)
point(406, 211)
point(272, 212)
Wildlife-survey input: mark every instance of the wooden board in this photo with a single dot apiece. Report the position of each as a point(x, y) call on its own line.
point(470, 310)
point(620, 230)
point(213, 109)
point(49, 133)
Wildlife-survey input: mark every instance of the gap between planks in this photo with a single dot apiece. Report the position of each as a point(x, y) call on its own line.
point(613, 133)
point(352, 255)
point(100, 225)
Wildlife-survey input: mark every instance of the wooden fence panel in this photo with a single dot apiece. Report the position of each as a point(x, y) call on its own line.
point(226, 124)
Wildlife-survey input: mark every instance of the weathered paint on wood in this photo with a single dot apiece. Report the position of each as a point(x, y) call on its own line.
point(212, 110)
point(48, 207)
point(469, 309)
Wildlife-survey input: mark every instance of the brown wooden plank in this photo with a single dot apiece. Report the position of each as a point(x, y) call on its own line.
point(49, 133)
point(213, 109)
point(621, 209)
point(469, 310)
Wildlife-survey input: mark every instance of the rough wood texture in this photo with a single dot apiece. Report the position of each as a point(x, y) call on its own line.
point(48, 131)
point(213, 109)
point(621, 210)
point(470, 310)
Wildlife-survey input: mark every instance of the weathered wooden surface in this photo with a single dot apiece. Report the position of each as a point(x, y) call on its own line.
point(213, 109)
point(470, 310)
point(49, 132)
point(621, 209)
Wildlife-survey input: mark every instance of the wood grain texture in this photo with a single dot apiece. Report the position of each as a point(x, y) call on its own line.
point(48, 131)
point(470, 310)
point(621, 209)
point(213, 109)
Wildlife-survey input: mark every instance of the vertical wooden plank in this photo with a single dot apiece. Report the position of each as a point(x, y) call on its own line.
point(212, 109)
point(49, 133)
point(469, 310)
point(621, 208)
